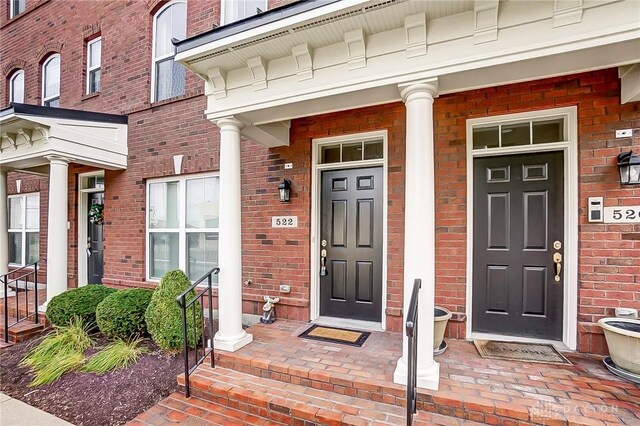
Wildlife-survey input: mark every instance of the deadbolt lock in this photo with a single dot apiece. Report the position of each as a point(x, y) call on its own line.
point(557, 245)
point(324, 243)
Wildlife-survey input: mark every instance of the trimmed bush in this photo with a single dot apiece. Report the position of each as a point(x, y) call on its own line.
point(78, 302)
point(164, 316)
point(121, 314)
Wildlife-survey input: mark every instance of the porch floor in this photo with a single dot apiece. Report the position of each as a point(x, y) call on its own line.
point(471, 388)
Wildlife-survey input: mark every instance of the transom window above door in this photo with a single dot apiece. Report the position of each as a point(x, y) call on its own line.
point(350, 151)
point(518, 133)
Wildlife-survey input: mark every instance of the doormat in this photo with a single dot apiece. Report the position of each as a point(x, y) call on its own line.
point(514, 351)
point(335, 335)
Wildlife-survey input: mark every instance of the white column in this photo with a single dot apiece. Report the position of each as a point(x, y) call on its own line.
point(4, 227)
point(230, 336)
point(419, 227)
point(57, 229)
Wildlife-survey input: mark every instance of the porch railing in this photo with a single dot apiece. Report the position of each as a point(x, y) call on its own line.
point(202, 295)
point(411, 329)
point(24, 274)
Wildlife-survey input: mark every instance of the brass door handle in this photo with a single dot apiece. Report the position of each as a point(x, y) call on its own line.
point(323, 259)
point(557, 259)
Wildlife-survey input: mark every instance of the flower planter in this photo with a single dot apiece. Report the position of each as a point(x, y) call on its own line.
point(441, 317)
point(623, 340)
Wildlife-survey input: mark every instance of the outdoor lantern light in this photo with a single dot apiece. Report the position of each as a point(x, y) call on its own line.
point(629, 166)
point(285, 191)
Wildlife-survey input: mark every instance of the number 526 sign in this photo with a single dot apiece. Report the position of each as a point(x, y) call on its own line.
point(622, 214)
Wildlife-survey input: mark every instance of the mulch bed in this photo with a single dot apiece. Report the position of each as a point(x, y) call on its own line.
point(89, 399)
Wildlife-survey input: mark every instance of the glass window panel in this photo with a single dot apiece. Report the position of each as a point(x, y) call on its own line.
point(485, 137)
point(15, 247)
point(515, 134)
point(163, 205)
point(202, 254)
point(52, 77)
point(95, 50)
point(163, 33)
point(548, 131)
point(53, 102)
point(33, 247)
point(352, 152)
point(15, 213)
point(163, 252)
point(33, 212)
point(16, 91)
point(330, 154)
point(17, 7)
point(253, 6)
point(373, 150)
point(202, 203)
point(94, 81)
point(170, 79)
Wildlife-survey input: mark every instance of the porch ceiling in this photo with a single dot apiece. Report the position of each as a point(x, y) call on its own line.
point(30, 134)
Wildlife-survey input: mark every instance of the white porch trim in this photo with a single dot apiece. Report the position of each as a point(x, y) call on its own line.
point(4, 227)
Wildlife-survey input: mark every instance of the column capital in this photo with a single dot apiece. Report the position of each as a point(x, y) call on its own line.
point(56, 159)
point(229, 123)
point(418, 89)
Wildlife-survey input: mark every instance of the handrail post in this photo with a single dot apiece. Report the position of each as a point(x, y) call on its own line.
point(6, 309)
point(35, 283)
point(411, 330)
point(186, 346)
point(209, 284)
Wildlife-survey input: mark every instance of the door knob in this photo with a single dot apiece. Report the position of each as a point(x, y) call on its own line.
point(557, 259)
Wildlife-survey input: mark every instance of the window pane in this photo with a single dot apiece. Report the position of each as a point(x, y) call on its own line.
point(15, 213)
point(485, 137)
point(16, 92)
point(163, 205)
point(15, 247)
point(163, 252)
point(331, 154)
point(202, 203)
point(170, 79)
point(373, 150)
point(53, 102)
point(18, 7)
point(33, 247)
point(33, 212)
point(548, 131)
point(52, 78)
point(515, 134)
point(94, 81)
point(172, 22)
point(352, 152)
point(95, 50)
point(253, 6)
point(202, 254)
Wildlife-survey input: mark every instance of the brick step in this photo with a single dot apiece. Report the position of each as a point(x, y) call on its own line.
point(22, 331)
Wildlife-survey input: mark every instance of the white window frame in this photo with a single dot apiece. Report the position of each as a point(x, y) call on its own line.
point(44, 79)
point(12, 11)
point(154, 59)
point(223, 10)
point(24, 230)
point(182, 229)
point(90, 69)
point(11, 85)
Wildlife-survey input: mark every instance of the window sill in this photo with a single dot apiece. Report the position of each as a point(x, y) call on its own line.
point(90, 96)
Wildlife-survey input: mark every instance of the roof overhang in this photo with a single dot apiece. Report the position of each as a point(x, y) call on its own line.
point(353, 53)
point(30, 134)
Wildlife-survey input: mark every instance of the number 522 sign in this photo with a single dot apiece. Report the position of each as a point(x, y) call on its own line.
point(622, 214)
point(284, 221)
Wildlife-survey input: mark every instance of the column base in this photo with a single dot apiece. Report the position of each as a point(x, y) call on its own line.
point(427, 378)
point(233, 343)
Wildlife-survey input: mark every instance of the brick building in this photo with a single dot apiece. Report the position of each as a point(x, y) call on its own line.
point(454, 142)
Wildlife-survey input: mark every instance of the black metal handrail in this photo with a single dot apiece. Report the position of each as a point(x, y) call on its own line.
point(411, 328)
point(10, 278)
point(185, 305)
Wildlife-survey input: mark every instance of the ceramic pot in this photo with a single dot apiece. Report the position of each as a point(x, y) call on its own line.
point(441, 317)
point(623, 339)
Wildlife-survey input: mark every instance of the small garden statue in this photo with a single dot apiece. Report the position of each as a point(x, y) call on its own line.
point(269, 310)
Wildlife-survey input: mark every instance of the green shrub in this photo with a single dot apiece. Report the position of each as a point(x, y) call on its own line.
point(164, 316)
point(121, 314)
point(79, 302)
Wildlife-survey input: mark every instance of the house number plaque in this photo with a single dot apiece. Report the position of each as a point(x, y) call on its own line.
point(622, 214)
point(284, 221)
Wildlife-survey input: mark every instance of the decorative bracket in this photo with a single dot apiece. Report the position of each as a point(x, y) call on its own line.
point(567, 12)
point(8, 137)
point(43, 134)
point(356, 49)
point(216, 84)
point(304, 63)
point(24, 134)
point(415, 29)
point(258, 72)
point(485, 21)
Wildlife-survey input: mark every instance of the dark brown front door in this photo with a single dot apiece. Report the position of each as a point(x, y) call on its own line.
point(351, 226)
point(518, 205)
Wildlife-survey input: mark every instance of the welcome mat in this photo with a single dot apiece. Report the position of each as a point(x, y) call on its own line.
point(514, 351)
point(335, 335)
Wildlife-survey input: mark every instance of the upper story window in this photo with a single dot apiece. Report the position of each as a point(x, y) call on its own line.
point(168, 77)
point(16, 87)
point(16, 7)
point(51, 81)
point(24, 228)
point(234, 10)
point(94, 62)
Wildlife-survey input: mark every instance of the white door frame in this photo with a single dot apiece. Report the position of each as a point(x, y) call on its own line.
point(83, 212)
point(316, 182)
point(569, 149)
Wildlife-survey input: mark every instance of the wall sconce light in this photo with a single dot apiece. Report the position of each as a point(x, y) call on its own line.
point(629, 166)
point(285, 191)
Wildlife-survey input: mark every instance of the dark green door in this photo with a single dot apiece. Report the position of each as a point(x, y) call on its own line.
point(351, 225)
point(518, 228)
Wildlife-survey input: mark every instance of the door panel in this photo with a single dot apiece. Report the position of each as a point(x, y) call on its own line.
point(94, 243)
point(518, 214)
point(351, 224)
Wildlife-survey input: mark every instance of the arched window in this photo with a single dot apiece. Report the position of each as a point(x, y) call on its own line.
point(16, 87)
point(168, 77)
point(51, 81)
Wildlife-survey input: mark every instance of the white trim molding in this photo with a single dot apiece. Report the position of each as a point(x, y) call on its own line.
point(569, 148)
